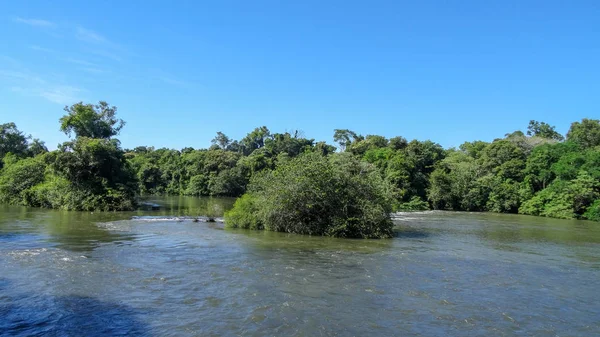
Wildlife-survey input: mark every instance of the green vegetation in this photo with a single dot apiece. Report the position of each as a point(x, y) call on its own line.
point(87, 173)
point(335, 195)
point(294, 184)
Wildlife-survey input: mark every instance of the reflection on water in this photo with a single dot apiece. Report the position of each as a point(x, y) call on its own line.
point(444, 274)
point(189, 206)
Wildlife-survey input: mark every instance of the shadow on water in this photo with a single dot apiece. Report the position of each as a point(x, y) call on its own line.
point(286, 242)
point(37, 315)
point(295, 243)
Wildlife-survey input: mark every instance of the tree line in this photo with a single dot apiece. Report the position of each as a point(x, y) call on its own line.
point(537, 172)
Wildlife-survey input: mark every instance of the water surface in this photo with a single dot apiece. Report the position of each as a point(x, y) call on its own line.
point(457, 274)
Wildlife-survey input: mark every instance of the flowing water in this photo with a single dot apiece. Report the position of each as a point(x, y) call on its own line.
point(446, 274)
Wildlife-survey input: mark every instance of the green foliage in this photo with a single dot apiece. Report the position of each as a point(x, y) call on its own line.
point(458, 183)
point(473, 149)
point(244, 214)
point(398, 143)
point(36, 147)
point(312, 194)
point(92, 121)
point(371, 142)
point(255, 139)
point(593, 211)
point(566, 199)
point(12, 140)
point(221, 140)
point(98, 173)
point(345, 138)
point(541, 129)
point(299, 185)
point(229, 182)
point(18, 177)
point(197, 186)
point(88, 173)
point(585, 133)
point(504, 196)
point(414, 204)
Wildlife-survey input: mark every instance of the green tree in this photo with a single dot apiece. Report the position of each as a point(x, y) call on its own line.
point(255, 139)
point(544, 130)
point(12, 140)
point(398, 143)
point(36, 147)
point(312, 194)
point(221, 140)
point(18, 177)
point(288, 143)
point(345, 137)
point(98, 172)
point(368, 143)
point(585, 133)
point(565, 199)
point(92, 121)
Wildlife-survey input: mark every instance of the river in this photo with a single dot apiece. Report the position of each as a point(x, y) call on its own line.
point(446, 274)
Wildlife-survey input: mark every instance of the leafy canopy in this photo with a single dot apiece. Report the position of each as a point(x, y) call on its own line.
point(92, 121)
point(312, 194)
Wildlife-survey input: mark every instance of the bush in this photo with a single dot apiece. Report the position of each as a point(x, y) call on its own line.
point(593, 212)
point(17, 177)
point(244, 213)
point(316, 195)
point(415, 204)
point(229, 182)
point(52, 193)
point(197, 186)
point(565, 199)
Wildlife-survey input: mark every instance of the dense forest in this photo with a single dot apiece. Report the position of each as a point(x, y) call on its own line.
point(537, 172)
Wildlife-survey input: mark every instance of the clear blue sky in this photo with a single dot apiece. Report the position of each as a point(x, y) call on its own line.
point(180, 71)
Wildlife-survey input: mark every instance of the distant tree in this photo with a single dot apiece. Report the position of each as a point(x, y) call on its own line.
point(544, 130)
point(255, 139)
point(345, 137)
point(324, 148)
point(12, 140)
point(398, 143)
point(143, 149)
point(287, 143)
point(221, 140)
point(36, 147)
point(92, 121)
point(235, 146)
point(585, 133)
point(359, 147)
point(515, 134)
point(473, 149)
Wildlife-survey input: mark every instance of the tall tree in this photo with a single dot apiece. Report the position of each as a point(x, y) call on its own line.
point(221, 140)
point(255, 139)
point(398, 143)
point(92, 121)
point(544, 130)
point(345, 137)
point(12, 140)
point(585, 133)
point(36, 147)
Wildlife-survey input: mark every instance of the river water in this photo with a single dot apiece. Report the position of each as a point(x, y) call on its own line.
point(446, 274)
